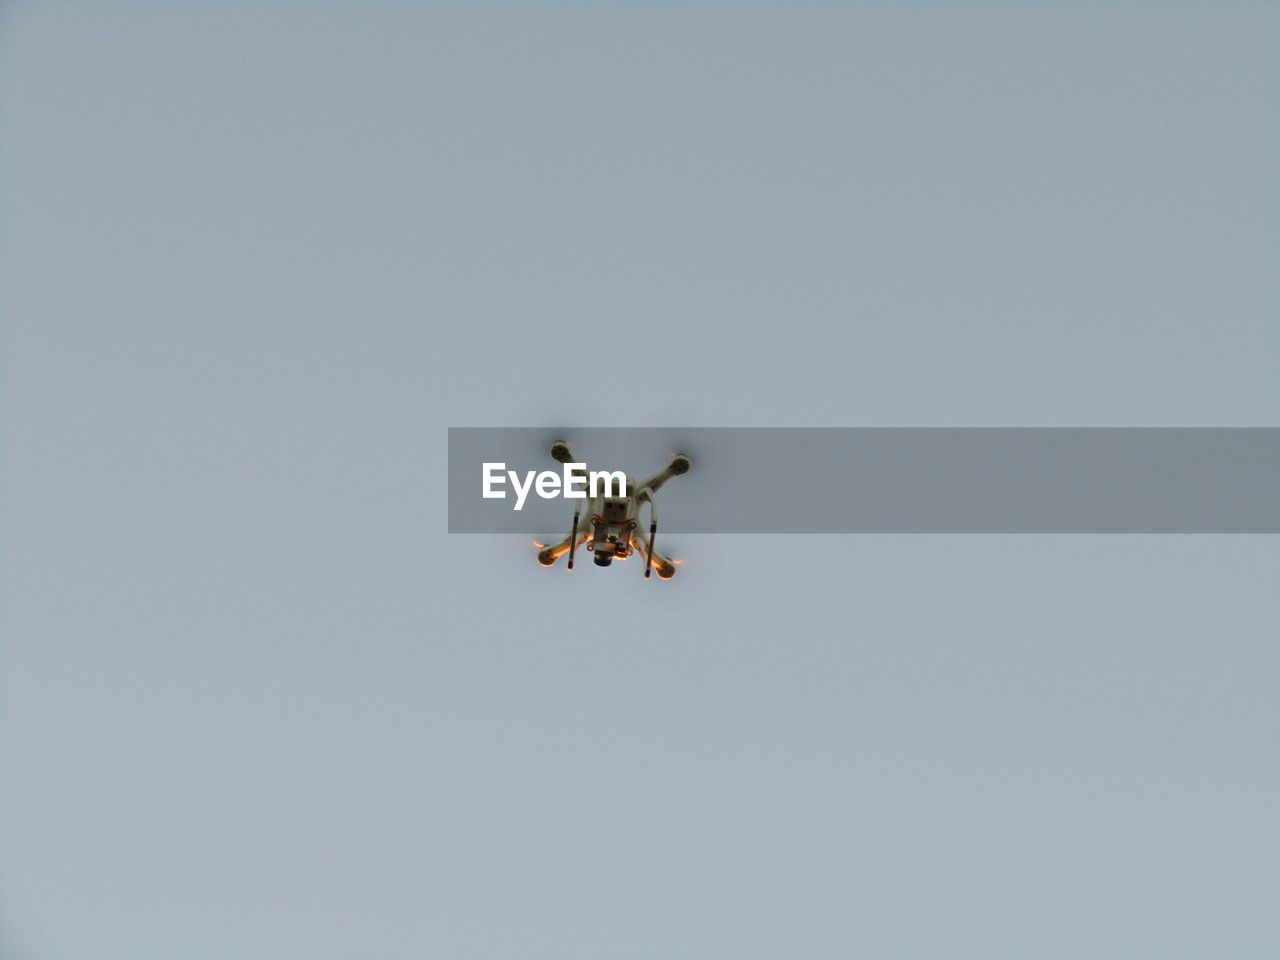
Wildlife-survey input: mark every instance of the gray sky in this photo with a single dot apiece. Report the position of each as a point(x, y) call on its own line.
point(258, 257)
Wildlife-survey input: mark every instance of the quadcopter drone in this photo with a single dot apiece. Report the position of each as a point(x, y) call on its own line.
point(612, 531)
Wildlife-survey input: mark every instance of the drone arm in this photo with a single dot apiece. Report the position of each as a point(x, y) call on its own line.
point(561, 453)
point(655, 482)
point(678, 466)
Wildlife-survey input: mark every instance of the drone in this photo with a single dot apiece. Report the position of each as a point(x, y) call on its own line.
point(613, 530)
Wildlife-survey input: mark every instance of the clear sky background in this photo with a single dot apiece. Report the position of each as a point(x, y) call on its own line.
point(257, 704)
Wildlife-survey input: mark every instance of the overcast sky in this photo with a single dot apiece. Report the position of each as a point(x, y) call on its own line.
point(258, 704)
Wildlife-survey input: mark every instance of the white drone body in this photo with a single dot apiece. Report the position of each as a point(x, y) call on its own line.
point(613, 530)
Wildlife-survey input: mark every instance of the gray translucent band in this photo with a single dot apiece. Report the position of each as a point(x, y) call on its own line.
point(898, 480)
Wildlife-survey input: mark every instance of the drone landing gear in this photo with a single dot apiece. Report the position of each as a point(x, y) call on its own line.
point(644, 546)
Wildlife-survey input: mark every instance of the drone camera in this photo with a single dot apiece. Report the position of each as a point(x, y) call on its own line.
point(605, 547)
